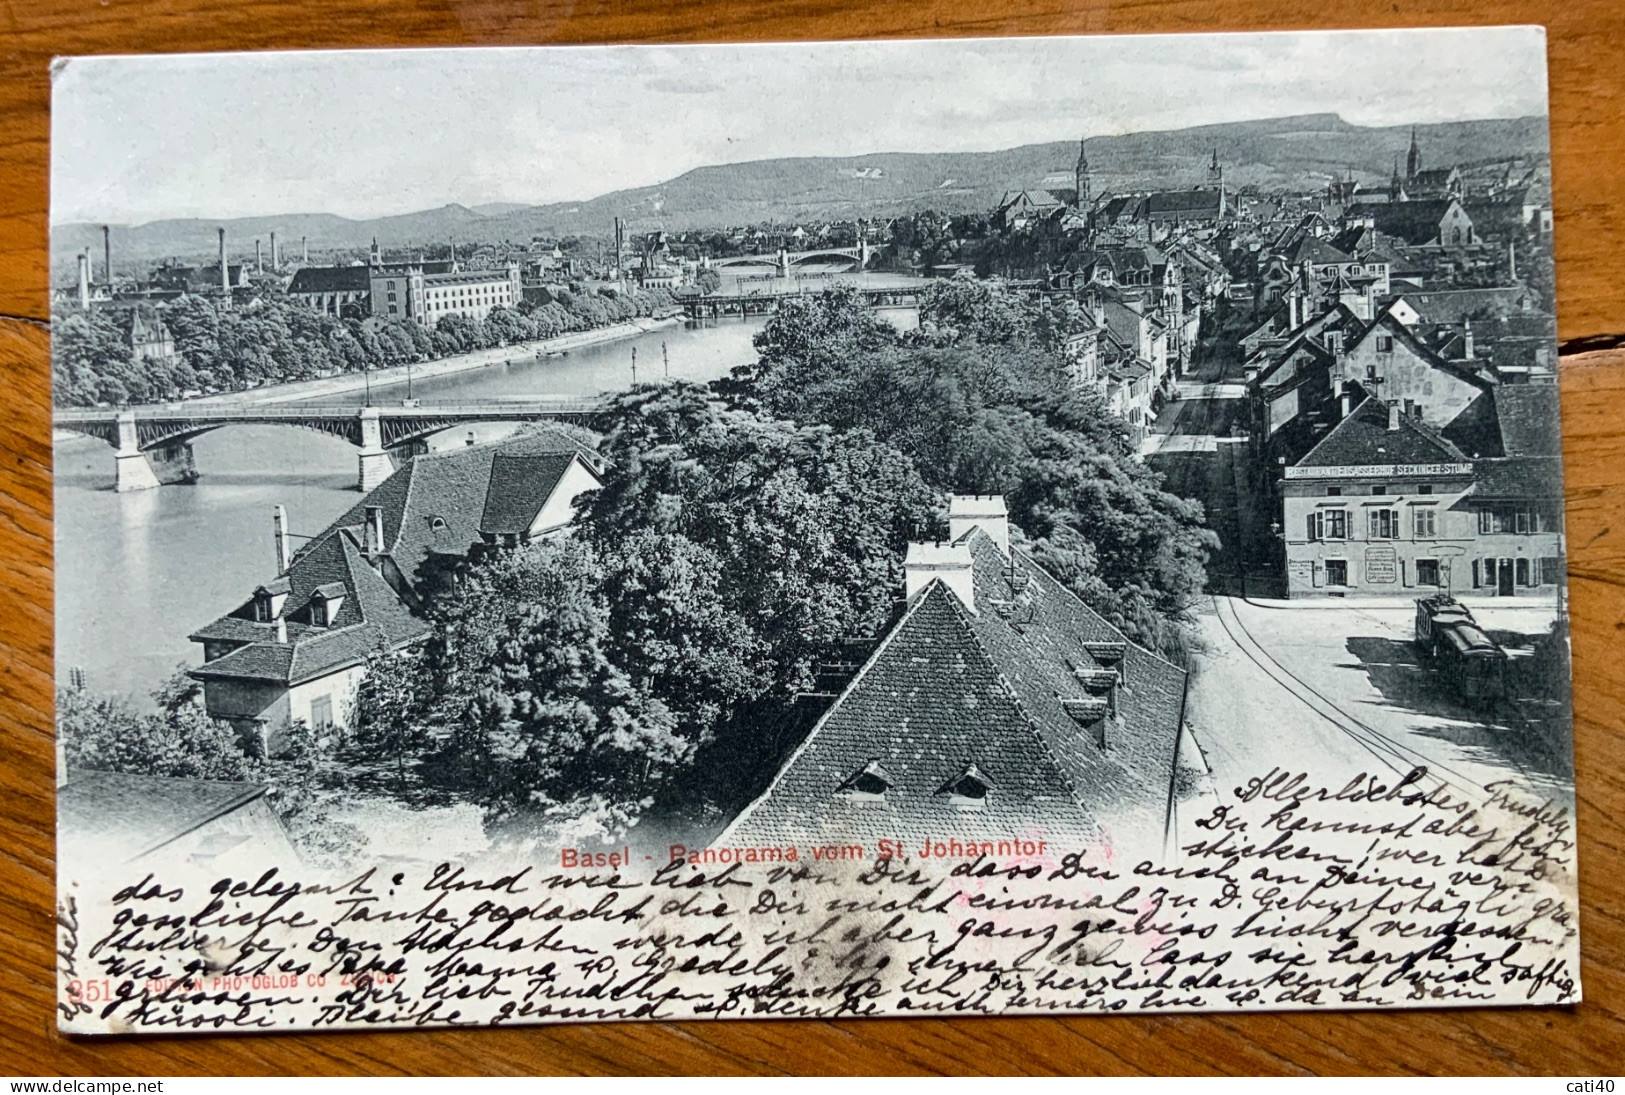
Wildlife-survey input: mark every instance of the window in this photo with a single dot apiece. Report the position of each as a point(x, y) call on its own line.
point(1424, 488)
point(968, 789)
point(868, 784)
point(1337, 572)
point(321, 713)
point(262, 609)
point(1427, 572)
point(1385, 344)
point(1523, 576)
point(1328, 524)
point(391, 285)
point(1334, 492)
point(1551, 570)
point(393, 309)
point(318, 612)
point(1380, 488)
point(1382, 524)
point(1486, 522)
point(1425, 525)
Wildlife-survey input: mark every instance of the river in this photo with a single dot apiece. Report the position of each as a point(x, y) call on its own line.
point(137, 572)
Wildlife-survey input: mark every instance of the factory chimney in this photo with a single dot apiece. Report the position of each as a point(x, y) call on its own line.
point(107, 254)
point(225, 271)
point(304, 249)
point(84, 280)
point(276, 260)
point(284, 553)
point(259, 258)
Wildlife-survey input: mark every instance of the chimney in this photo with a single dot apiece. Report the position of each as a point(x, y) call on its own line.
point(107, 254)
point(1344, 403)
point(987, 512)
point(949, 562)
point(1394, 413)
point(225, 271)
point(469, 440)
point(1512, 260)
point(276, 260)
point(304, 250)
point(1467, 339)
point(375, 531)
point(84, 280)
point(284, 553)
point(281, 628)
point(259, 258)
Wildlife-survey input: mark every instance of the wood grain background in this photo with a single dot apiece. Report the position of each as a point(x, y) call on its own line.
point(1588, 144)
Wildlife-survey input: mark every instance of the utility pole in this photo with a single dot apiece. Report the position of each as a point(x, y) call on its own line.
point(634, 366)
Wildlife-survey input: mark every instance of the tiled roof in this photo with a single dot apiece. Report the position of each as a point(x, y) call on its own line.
point(1454, 305)
point(126, 816)
point(1529, 417)
point(331, 279)
point(1312, 248)
point(1413, 222)
point(948, 689)
point(1519, 477)
point(1183, 201)
point(432, 505)
point(519, 487)
point(1364, 438)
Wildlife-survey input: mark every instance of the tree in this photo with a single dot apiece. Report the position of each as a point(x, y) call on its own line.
point(180, 740)
point(804, 527)
point(981, 402)
point(392, 712)
point(541, 714)
point(708, 281)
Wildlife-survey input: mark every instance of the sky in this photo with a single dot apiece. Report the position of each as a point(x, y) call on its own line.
point(373, 133)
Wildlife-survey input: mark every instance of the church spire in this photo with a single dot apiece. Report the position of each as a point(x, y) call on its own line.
point(1080, 178)
point(1413, 159)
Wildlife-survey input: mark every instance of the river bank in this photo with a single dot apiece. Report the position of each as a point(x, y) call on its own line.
point(349, 383)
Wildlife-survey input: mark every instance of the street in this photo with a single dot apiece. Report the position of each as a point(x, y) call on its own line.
point(1333, 689)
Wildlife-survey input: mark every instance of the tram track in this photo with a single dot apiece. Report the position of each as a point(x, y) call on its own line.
point(1398, 758)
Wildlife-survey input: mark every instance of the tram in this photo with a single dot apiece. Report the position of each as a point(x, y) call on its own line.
point(1464, 654)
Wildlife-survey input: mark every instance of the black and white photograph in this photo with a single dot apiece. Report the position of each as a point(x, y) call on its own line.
point(1002, 526)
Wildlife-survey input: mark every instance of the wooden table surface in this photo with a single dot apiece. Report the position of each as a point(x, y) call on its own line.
point(1588, 146)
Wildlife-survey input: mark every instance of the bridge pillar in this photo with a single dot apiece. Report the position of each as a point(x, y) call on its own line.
point(375, 464)
point(130, 468)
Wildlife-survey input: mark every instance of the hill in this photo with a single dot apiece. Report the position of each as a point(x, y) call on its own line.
point(1294, 153)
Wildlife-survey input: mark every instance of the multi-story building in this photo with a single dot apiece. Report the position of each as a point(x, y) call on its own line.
point(1385, 505)
point(424, 291)
point(1029, 717)
point(298, 648)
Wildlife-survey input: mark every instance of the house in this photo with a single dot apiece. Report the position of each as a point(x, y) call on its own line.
point(1386, 505)
point(999, 709)
point(115, 818)
point(1437, 221)
point(333, 290)
point(298, 647)
point(1387, 358)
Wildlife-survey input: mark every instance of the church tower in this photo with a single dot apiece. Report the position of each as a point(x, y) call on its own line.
point(1396, 185)
point(1080, 180)
point(1215, 179)
point(1413, 159)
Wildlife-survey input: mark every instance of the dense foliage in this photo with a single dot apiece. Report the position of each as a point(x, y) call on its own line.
point(981, 402)
point(273, 338)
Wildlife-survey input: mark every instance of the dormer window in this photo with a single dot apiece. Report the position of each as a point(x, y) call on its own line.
point(318, 612)
point(262, 608)
point(869, 784)
point(968, 790)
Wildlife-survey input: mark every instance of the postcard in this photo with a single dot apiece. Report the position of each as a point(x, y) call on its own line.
point(1020, 526)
